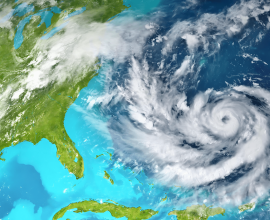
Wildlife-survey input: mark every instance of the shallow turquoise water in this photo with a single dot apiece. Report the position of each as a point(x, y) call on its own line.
point(18, 39)
point(88, 130)
point(63, 188)
point(36, 185)
point(76, 13)
point(53, 186)
point(46, 16)
point(19, 10)
point(54, 31)
point(142, 6)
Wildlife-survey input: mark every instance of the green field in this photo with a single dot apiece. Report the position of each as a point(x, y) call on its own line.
point(40, 112)
point(116, 210)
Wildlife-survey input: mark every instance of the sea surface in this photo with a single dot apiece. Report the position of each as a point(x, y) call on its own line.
point(34, 184)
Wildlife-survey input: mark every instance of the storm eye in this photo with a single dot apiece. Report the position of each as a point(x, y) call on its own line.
point(225, 119)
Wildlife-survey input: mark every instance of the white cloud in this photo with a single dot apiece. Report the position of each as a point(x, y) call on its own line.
point(17, 94)
point(162, 133)
point(226, 24)
point(217, 122)
point(70, 55)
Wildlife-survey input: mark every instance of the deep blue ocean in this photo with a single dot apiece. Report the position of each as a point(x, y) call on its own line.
point(188, 52)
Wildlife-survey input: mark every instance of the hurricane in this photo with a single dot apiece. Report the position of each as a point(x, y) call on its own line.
point(167, 119)
point(150, 109)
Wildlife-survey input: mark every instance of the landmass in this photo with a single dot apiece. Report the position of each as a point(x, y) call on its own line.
point(32, 114)
point(151, 184)
point(110, 154)
point(247, 206)
point(99, 156)
point(197, 212)
point(164, 199)
point(117, 211)
point(107, 176)
point(138, 180)
point(1, 156)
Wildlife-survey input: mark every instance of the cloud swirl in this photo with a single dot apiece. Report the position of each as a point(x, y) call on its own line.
point(216, 140)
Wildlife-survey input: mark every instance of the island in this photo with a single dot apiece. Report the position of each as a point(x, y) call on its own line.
point(197, 212)
point(97, 156)
point(247, 206)
point(108, 177)
point(116, 210)
point(31, 114)
point(164, 199)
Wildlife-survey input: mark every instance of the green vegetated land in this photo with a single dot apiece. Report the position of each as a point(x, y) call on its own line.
point(42, 114)
point(99, 156)
point(108, 177)
point(116, 210)
point(245, 207)
point(197, 212)
point(164, 199)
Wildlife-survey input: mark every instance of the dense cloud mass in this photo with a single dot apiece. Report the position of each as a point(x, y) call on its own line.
point(75, 52)
point(221, 138)
point(208, 139)
point(217, 139)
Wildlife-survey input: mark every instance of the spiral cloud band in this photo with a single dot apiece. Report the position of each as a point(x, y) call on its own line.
point(214, 139)
point(221, 137)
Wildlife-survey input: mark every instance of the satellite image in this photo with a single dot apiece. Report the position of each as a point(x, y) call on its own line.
point(134, 109)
